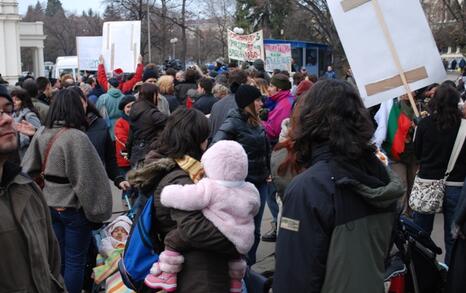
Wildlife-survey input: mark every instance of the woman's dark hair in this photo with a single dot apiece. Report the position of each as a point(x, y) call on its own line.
point(148, 92)
point(185, 131)
point(25, 99)
point(66, 109)
point(191, 76)
point(333, 114)
point(444, 106)
point(90, 106)
point(236, 78)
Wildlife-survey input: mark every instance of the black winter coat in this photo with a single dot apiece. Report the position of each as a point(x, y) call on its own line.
point(205, 103)
point(146, 123)
point(97, 132)
point(254, 141)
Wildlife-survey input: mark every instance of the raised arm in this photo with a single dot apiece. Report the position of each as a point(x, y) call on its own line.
point(101, 75)
point(128, 85)
point(190, 197)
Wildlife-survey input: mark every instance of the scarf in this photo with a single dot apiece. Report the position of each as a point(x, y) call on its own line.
point(191, 166)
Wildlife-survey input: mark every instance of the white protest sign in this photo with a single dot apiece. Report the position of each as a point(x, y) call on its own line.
point(246, 47)
point(278, 56)
point(387, 41)
point(121, 44)
point(88, 51)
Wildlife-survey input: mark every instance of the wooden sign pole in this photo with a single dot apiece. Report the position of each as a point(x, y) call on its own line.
point(396, 58)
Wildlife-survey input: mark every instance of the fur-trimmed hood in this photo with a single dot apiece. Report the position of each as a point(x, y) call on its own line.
point(148, 176)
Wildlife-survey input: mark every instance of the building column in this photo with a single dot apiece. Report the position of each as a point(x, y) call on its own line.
point(10, 54)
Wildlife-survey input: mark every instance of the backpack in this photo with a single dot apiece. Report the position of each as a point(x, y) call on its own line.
point(140, 251)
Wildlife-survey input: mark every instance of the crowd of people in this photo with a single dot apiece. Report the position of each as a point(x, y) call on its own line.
point(212, 147)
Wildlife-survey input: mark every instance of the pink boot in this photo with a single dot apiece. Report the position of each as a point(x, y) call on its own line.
point(163, 273)
point(237, 272)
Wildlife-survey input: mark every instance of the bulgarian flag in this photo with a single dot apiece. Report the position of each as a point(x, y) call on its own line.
point(398, 126)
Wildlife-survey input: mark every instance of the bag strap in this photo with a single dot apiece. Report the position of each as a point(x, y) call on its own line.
point(49, 147)
point(457, 147)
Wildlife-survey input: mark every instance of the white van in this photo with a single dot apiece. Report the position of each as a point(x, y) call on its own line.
point(66, 65)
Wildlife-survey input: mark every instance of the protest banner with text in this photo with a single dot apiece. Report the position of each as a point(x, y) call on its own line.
point(246, 47)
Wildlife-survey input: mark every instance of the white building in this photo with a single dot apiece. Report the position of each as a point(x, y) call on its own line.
point(14, 35)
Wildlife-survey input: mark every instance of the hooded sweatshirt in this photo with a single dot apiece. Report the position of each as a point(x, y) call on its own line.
point(336, 226)
point(107, 104)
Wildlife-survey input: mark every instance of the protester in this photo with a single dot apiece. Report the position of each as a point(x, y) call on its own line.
point(191, 77)
point(280, 104)
point(146, 122)
point(71, 168)
point(122, 134)
point(330, 73)
point(225, 199)
point(220, 91)
point(118, 74)
point(98, 133)
point(96, 90)
point(174, 159)
point(342, 208)
point(402, 157)
point(166, 86)
point(45, 90)
point(303, 87)
point(259, 65)
point(108, 103)
point(31, 87)
point(221, 109)
point(244, 126)
point(31, 258)
point(206, 100)
point(435, 137)
point(24, 110)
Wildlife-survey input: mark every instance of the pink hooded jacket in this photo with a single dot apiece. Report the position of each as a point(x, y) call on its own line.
point(284, 103)
point(225, 199)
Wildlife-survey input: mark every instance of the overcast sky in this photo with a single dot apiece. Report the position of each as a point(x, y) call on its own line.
point(69, 5)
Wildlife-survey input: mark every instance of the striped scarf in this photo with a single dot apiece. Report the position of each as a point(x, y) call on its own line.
point(191, 166)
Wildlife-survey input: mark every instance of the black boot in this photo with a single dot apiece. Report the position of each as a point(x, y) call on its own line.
point(271, 236)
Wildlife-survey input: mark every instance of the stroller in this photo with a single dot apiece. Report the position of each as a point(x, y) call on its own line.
point(98, 235)
point(414, 268)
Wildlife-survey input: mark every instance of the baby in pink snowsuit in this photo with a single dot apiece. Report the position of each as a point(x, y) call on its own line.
point(225, 198)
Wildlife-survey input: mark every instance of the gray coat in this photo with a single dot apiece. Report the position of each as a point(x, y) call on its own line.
point(31, 255)
point(31, 117)
point(220, 112)
point(73, 158)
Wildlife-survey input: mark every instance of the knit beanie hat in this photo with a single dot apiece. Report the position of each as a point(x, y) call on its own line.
point(4, 93)
point(281, 81)
point(125, 101)
point(114, 82)
point(246, 94)
point(150, 73)
point(118, 74)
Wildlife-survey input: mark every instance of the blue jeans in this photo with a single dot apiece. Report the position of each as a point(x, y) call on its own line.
point(263, 191)
point(272, 200)
point(74, 233)
point(426, 221)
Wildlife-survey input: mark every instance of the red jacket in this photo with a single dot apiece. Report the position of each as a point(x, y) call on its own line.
point(124, 87)
point(121, 136)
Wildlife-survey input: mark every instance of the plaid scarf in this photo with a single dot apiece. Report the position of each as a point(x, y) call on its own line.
point(191, 166)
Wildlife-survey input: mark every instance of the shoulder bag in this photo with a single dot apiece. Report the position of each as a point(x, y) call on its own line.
point(427, 195)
